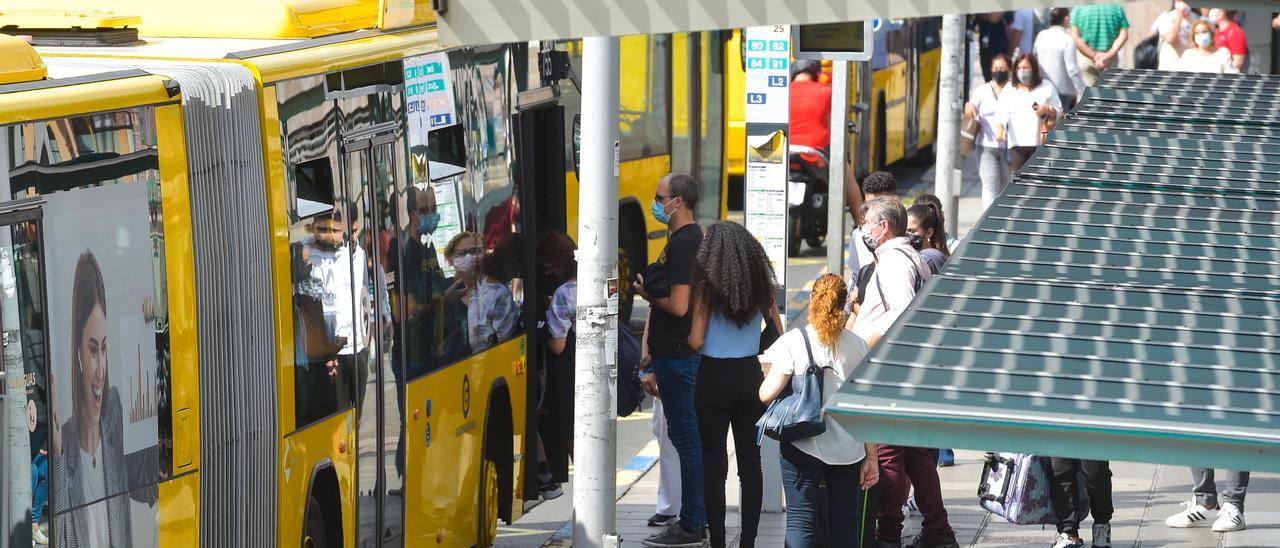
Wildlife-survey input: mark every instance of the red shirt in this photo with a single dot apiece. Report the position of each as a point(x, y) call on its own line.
point(810, 114)
point(1232, 38)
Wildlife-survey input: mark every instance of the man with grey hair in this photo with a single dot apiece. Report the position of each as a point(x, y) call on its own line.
point(899, 273)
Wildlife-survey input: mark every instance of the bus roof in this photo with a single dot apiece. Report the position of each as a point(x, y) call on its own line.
point(220, 19)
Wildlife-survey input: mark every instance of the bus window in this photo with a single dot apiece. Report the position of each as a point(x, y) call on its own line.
point(98, 250)
point(481, 294)
point(323, 310)
point(645, 96)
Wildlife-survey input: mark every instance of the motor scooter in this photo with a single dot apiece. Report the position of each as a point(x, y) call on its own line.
point(806, 197)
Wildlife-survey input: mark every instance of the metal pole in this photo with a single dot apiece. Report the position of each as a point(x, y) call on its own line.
point(595, 426)
point(835, 166)
point(949, 108)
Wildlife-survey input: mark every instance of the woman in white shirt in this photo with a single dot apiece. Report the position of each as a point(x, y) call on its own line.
point(984, 105)
point(1174, 29)
point(835, 457)
point(1205, 57)
point(1032, 105)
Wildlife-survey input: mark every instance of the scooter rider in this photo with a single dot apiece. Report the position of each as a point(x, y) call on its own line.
point(810, 106)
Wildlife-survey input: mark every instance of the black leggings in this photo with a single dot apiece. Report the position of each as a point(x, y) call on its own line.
point(728, 394)
point(1065, 492)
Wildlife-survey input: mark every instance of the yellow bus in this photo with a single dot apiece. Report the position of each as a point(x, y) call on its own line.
point(893, 97)
point(671, 118)
point(233, 254)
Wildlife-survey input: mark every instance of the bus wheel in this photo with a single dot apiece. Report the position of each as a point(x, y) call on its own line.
point(314, 534)
point(628, 264)
point(488, 511)
point(794, 238)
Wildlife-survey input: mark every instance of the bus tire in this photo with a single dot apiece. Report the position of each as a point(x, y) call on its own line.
point(487, 513)
point(314, 534)
point(794, 238)
point(630, 261)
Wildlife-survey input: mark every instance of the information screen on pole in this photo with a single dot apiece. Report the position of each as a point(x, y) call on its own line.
point(848, 41)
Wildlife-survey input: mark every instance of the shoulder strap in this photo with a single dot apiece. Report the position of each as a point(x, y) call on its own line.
point(807, 348)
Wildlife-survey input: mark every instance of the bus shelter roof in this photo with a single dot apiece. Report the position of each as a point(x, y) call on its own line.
point(1120, 300)
point(474, 22)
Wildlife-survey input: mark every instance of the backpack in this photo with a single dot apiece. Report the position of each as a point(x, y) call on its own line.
point(629, 392)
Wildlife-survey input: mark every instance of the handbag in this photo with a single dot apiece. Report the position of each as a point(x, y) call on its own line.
point(796, 413)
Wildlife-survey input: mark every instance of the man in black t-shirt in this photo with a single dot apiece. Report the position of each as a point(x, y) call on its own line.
point(668, 362)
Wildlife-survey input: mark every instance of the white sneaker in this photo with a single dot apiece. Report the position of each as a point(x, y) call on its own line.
point(1196, 515)
point(38, 537)
point(1064, 541)
point(1101, 535)
point(1230, 518)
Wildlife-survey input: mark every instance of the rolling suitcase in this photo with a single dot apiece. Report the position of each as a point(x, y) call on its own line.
point(1017, 487)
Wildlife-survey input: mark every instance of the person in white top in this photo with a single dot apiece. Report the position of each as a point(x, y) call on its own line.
point(1056, 52)
point(835, 457)
point(899, 273)
point(1033, 108)
point(984, 104)
point(1174, 28)
point(1022, 31)
point(1205, 57)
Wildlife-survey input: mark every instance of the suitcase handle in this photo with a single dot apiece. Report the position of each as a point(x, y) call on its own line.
point(984, 488)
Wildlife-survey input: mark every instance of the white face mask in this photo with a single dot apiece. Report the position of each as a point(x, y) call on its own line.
point(1204, 39)
point(465, 263)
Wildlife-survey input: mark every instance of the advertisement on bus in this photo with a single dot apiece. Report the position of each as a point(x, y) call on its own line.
point(102, 339)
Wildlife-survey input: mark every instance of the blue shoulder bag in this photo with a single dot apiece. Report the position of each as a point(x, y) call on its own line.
point(796, 413)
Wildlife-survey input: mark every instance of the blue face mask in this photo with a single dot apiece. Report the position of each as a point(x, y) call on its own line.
point(659, 212)
point(428, 223)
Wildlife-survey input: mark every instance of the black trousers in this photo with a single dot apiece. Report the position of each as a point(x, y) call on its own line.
point(728, 395)
point(1066, 492)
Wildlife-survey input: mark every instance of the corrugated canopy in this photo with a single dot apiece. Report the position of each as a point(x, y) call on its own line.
point(1120, 300)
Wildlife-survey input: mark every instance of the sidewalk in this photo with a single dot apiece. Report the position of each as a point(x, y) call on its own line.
point(1144, 495)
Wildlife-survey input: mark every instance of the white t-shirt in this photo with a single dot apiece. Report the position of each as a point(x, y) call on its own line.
point(1194, 60)
point(94, 483)
point(340, 271)
point(1163, 24)
point(1024, 123)
point(1025, 21)
point(991, 113)
point(892, 287)
point(491, 315)
point(837, 445)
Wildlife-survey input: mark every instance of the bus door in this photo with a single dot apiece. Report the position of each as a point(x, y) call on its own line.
point(24, 417)
point(864, 131)
point(372, 169)
point(540, 154)
point(911, 134)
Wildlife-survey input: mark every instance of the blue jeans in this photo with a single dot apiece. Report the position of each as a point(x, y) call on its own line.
point(677, 378)
point(39, 486)
point(816, 516)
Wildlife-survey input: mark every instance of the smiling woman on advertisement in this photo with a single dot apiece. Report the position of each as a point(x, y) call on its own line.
point(90, 444)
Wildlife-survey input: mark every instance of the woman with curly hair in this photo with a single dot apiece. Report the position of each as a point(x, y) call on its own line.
point(733, 293)
point(834, 458)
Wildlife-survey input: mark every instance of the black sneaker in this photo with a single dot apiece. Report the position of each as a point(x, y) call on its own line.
point(674, 536)
point(943, 540)
point(661, 520)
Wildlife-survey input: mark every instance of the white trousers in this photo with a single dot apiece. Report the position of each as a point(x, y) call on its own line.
point(668, 465)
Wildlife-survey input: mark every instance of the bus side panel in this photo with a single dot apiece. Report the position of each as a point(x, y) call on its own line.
point(638, 179)
point(184, 382)
point(444, 439)
point(893, 81)
point(179, 511)
point(330, 442)
point(930, 63)
point(735, 136)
